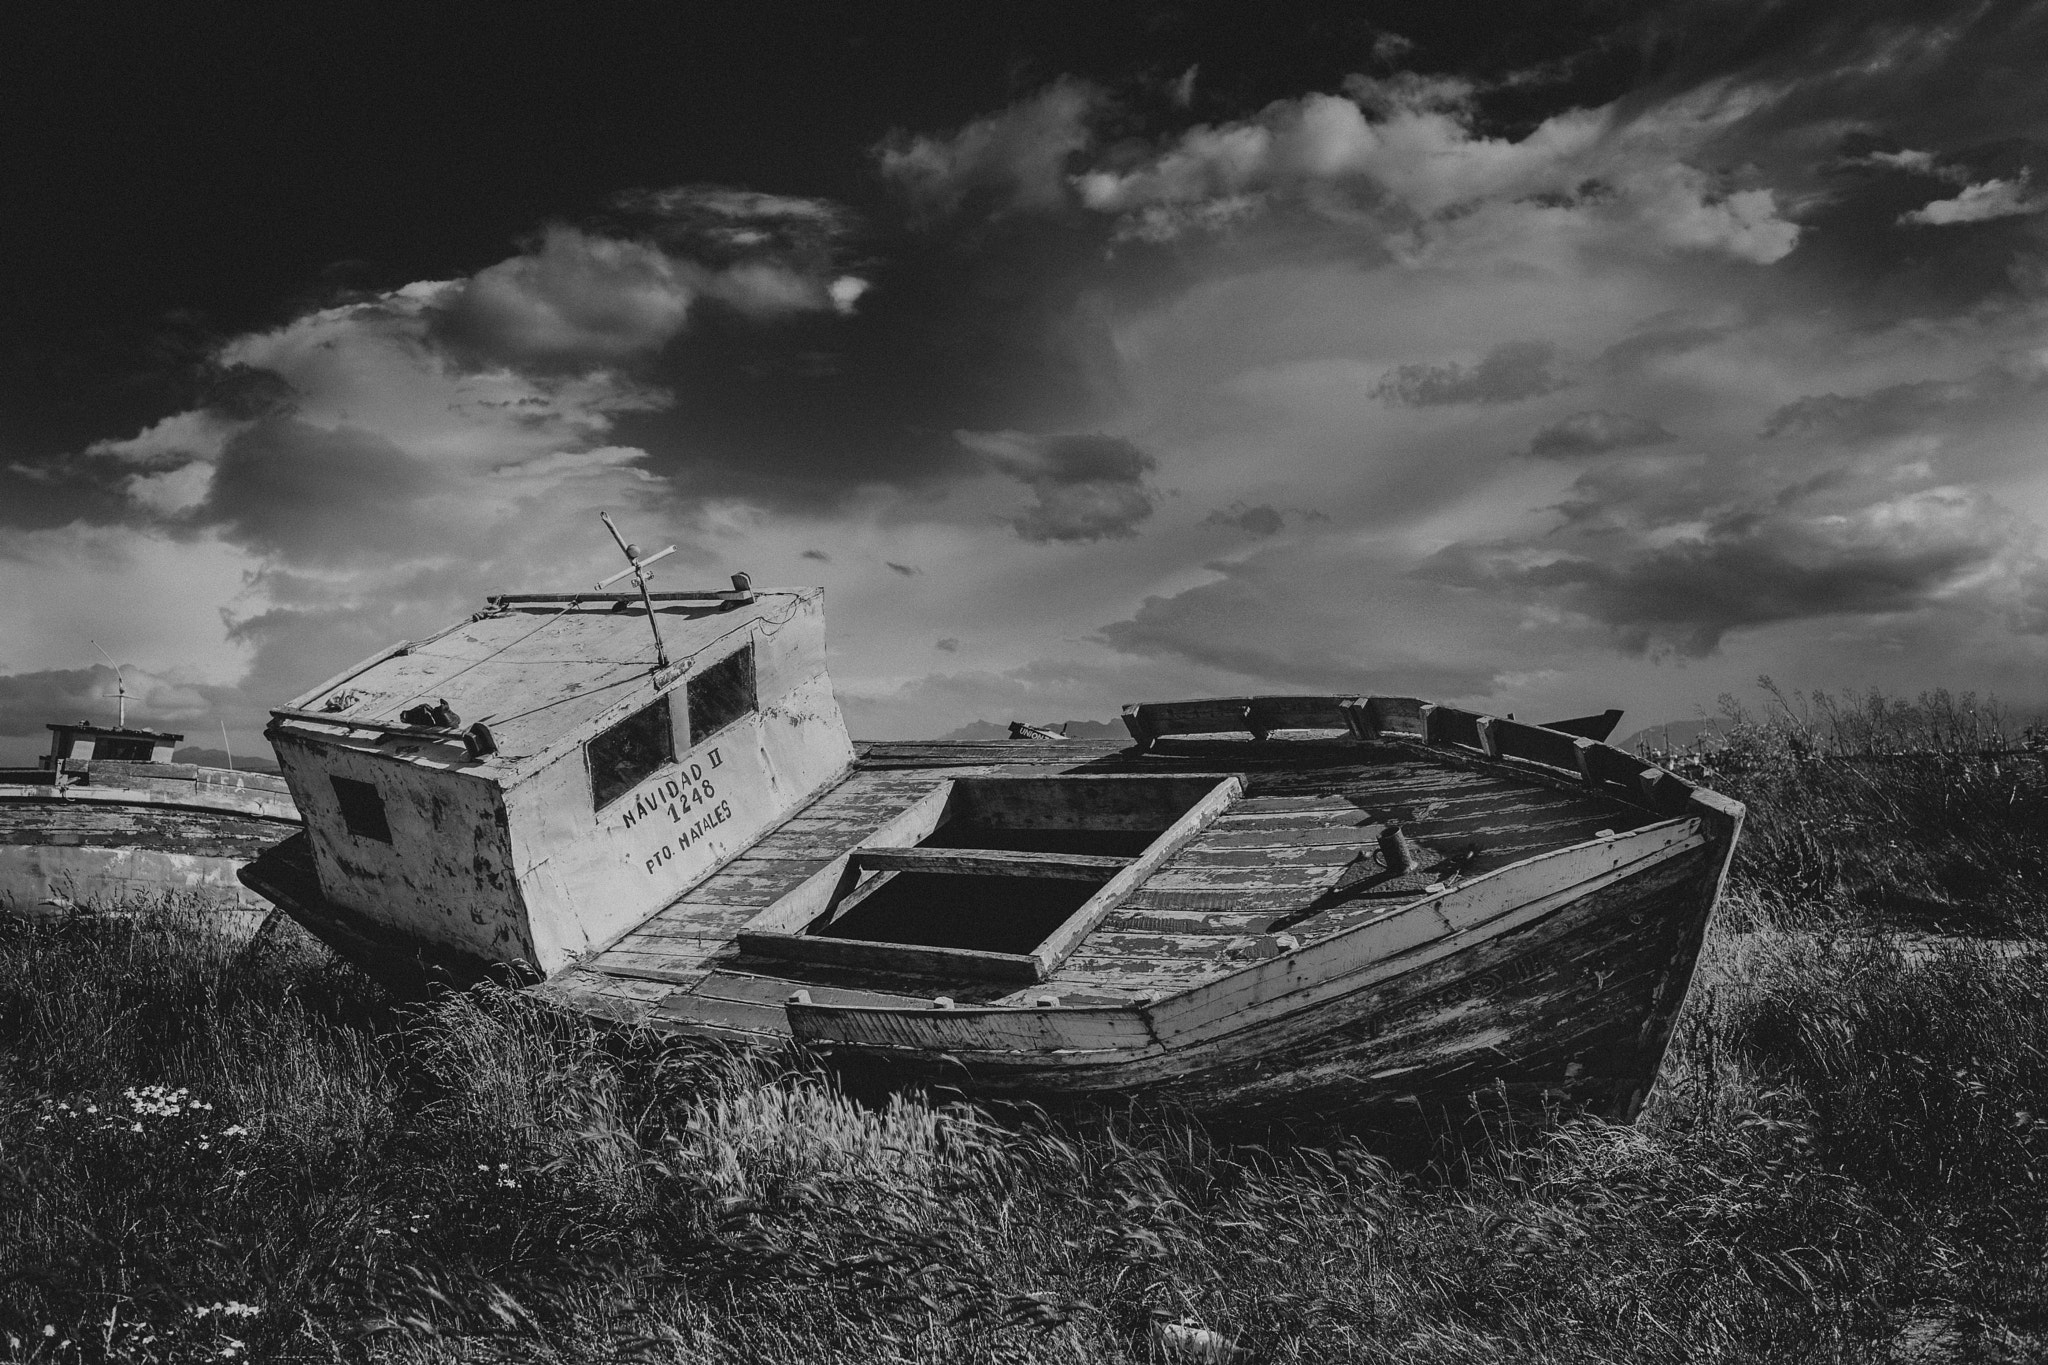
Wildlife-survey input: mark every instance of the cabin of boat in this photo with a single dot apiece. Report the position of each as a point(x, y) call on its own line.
point(525, 787)
point(107, 819)
point(1260, 907)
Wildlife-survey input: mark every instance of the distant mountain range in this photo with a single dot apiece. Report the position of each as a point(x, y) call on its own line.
point(1075, 729)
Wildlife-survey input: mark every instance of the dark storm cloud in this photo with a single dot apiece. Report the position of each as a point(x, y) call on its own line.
point(905, 569)
point(1506, 374)
point(1869, 117)
point(29, 701)
point(949, 645)
point(1923, 78)
point(1089, 487)
point(969, 326)
point(1262, 520)
point(1596, 432)
point(720, 224)
point(1657, 342)
point(1897, 409)
point(1888, 411)
point(1017, 157)
point(1231, 625)
point(1687, 597)
point(1669, 561)
point(310, 495)
point(818, 555)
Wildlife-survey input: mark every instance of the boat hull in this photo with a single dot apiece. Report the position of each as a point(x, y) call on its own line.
point(105, 848)
point(1562, 1000)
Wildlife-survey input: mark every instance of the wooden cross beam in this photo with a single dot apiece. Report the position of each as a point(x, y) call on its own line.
point(636, 569)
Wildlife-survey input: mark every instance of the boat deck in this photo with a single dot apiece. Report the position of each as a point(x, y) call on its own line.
point(1311, 808)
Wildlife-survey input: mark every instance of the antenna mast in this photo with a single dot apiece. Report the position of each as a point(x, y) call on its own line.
point(638, 572)
point(120, 684)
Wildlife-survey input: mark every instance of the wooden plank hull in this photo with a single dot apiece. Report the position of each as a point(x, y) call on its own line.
point(1402, 916)
point(1563, 998)
point(104, 847)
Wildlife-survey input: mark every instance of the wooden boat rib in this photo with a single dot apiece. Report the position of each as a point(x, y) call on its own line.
point(1342, 909)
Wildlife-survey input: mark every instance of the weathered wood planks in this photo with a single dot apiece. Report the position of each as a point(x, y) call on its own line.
point(990, 863)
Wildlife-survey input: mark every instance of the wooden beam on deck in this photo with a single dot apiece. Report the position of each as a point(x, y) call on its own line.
point(990, 862)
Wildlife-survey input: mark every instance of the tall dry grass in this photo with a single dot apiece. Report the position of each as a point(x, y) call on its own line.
point(1844, 1161)
point(1868, 811)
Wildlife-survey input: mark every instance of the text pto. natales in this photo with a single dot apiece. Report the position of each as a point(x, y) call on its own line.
point(688, 796)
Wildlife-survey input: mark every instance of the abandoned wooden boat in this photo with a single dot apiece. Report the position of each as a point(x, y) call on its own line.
point(107, 821)
point(1331, 908)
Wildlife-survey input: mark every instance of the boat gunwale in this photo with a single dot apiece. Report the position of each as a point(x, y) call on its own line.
point(50, 794)
point(1450, 939)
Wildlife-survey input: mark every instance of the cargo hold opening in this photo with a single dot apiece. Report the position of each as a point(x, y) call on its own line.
point(990, 873)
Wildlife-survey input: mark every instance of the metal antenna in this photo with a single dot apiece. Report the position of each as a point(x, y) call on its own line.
point(229, 749)
point(637, 571)
point(120, 684)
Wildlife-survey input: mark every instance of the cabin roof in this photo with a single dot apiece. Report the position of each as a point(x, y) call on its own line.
point(86, 727)
point(539, 673)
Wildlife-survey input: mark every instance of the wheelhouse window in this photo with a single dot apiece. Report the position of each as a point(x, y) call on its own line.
point(630, 752)
point(721, 694)
point(362, 809)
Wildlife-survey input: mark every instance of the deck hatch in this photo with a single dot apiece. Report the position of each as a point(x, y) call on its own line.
point(992, 877)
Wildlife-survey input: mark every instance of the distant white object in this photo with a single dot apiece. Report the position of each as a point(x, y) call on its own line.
point(1185, 1340)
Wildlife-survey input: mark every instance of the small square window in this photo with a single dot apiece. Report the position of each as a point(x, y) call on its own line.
point(721, 694)
point(630, 752)
point(362, 809)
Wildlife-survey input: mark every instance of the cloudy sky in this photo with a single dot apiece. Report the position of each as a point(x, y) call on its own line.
point(1529, 356)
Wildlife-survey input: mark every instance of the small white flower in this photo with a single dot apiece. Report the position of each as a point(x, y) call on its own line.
point(134, 1127)
point(234, 1130)
point(49, 1330)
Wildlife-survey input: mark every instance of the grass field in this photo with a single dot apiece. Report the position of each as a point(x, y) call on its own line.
point(209, 1153)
